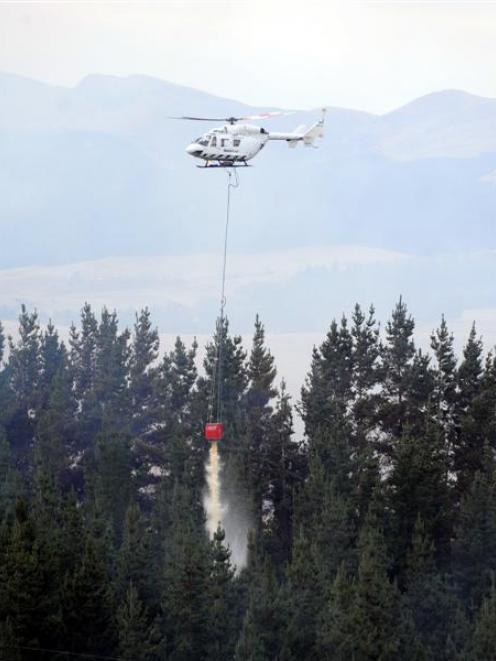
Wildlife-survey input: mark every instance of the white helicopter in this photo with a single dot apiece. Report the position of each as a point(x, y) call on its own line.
point(233, 144)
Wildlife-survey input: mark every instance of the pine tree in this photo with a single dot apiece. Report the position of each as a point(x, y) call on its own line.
point(225, 609)
point(304, 597)
point(328, 389)
point(444, 393)
point(56, 430)
point(397, 356)
point(261, 634)
point(418, 486)
point(418, 405)
point(135, 563)
point(29, 594)
point(111, 372)
point(336, 629)
point(71, 534)
point(111, 478)
point(484, 637)
point(261, 373)
point(83, 353)
point(233, 378)
point(474, 547)
point(471, 439)
point(285, 471)
point(186, 595)
point(366, 351)
point(2, 342)
point(89, 604)
point(133, 627)
point(374, 614)
point(142, 372)
point(428, 596)
point(53, 361)
point(25, 360)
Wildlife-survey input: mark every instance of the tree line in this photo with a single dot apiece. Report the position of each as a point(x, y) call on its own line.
point(373, 537)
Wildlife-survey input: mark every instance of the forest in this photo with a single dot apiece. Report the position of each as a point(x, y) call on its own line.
point(371, 538)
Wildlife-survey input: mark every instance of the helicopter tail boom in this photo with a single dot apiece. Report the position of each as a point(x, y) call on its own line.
point(302, 134)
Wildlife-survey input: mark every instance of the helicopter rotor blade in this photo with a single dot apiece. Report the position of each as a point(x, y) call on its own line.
point(269, 115)
point(233, 120)
point(201, 119)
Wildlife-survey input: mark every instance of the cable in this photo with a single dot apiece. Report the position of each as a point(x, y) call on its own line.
point(217, 374)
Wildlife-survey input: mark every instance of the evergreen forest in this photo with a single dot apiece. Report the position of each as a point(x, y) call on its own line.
point(371, 538)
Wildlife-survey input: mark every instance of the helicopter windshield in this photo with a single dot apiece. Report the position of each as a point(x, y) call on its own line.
point(202, 140)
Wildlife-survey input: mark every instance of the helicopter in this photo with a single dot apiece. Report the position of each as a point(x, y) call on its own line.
point(234, 144)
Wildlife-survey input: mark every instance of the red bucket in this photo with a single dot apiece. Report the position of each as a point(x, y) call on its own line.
point(214, 431)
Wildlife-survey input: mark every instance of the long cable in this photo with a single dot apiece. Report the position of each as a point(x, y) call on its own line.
point(217, 374)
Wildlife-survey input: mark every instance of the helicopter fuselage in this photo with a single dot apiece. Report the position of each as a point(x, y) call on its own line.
point(237, 143)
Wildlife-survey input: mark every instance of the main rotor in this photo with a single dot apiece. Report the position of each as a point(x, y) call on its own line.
point(234, 120)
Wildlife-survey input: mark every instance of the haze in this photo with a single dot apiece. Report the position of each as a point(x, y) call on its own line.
point(372, 56)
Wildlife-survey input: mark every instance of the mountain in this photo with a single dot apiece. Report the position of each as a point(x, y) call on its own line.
point(99, 170)
point(99, 201)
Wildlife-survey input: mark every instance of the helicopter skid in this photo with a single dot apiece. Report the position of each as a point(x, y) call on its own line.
point(213, 166)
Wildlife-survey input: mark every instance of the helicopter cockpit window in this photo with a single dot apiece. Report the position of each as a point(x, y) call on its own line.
point(202, 141)
point(213, 142)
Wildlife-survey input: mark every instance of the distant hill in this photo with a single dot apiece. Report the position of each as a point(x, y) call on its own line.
point(100, 202)
point(98, 170)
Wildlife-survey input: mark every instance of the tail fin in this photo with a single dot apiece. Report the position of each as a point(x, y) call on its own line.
point(315, 131)
point(307, 136)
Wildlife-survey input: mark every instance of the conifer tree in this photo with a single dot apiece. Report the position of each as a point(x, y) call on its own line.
point(471, 439)
point(418, 487)
point(366, 351)
point(444, 393)
point(178, 375)
point(2, 342)
point(374, 614)
point(56, 431)
point(53, 360)
point(474, 547)
point(328, 388)
point(260, 638)
point(337, 634)
point(428, 596)
point(71, 534)
point(89, 604)
point(29, 596)
point(233, 373)
point(397, 356)
point(285, 468)
point(83, 353)
point(25, 360)
point(261, 374)
point(111, 477)
point(135, 563)
point(133, 627)
point(186, 580)
point(111, 373)
point(484, 638)
point(142, 372)
point(303, 598)
point(225, 609)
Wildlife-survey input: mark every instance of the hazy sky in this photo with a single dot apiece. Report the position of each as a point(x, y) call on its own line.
point(367, 55)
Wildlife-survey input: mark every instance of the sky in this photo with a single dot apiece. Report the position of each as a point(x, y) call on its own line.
point(367, 55)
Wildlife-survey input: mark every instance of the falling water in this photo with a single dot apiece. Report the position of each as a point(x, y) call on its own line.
point(212, 497)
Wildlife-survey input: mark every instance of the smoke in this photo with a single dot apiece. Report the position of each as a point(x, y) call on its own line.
point(226, 504)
